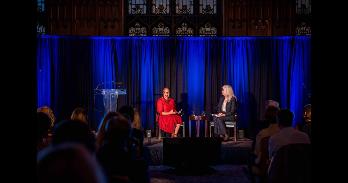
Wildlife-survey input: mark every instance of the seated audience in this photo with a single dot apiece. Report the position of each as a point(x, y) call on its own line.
point(101, 129)
point(137, 133)
point(43, 125)
point(291, 163)
point(116, 154)
point(287, 134)
point(49, 112)
point(273, 128)
point(259, 160)
point(264, 123)
point(74, 131)
point(79, 114)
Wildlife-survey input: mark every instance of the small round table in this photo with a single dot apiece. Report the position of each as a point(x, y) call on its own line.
point(198, 119)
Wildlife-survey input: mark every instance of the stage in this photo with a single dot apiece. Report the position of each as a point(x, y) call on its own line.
point(235, 153)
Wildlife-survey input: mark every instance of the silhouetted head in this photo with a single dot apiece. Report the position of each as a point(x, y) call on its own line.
point(43, 125)
point(75, 132)
point(128, 112)
point(47, 110)
point(117, 129)
point(272, 103)
point(271, 114)
point(101, 129)
point(285, 118)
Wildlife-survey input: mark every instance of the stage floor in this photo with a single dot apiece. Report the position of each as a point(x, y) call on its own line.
point(235, 153)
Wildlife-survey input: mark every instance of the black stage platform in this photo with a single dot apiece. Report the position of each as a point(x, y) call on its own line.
point(230, 153)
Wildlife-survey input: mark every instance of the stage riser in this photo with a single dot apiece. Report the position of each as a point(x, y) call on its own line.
point(230, 153)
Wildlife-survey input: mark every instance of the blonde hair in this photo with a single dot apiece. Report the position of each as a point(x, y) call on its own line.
point(49, 112)
point(79, 114)
point(230, 93)
point(136, 122)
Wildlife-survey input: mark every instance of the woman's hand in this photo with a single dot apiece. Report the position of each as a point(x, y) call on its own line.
point(170, 112)
point(221, 114)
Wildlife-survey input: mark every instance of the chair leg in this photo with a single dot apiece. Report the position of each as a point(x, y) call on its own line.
point(183, 129)
point(159, 134)
point(209, 131)
point(235, 133)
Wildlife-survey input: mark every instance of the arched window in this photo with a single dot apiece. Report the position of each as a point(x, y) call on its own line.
point(160, 7)
point(41, 23)
point(207, 7)
point(303, 17)
point(173, 18)
point(184, 7)
point(137, 7)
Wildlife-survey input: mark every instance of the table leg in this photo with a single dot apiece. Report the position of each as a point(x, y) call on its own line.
point(189, 128)
point(206, 129)
point(198, 122)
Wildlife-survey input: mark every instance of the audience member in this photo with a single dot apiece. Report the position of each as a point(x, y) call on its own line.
point(116, 154)
point(43, 127)
point(101, 129)
point(79, 114)
point(287, 134)
point(137, 134)
point(47, 110)
point(68, 163)
point(74, 131)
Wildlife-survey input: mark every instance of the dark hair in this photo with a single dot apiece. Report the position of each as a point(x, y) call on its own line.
point(74, 131)
point(285, 117)
point(127, 111)
point(271, 114)
point(117, 129)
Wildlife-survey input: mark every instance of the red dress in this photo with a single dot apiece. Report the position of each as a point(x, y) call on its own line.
point(167, 123)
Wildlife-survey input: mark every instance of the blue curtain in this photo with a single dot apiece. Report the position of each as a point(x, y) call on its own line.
point(283, 54)
point(148, 60)
point(103, 62)
point(299, 77)
point(194, 68)
point(235, 63)
point(44, 59)
point(193, 60)
point(43, 77)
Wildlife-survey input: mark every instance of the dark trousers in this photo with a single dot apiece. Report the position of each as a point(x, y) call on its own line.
point(220, 126)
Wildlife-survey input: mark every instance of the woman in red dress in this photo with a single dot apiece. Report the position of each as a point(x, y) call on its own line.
point(169, 119)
